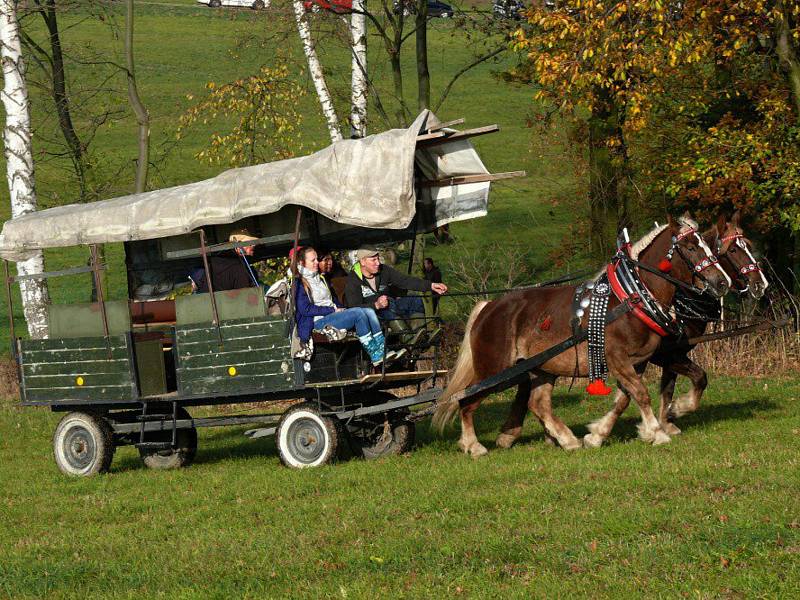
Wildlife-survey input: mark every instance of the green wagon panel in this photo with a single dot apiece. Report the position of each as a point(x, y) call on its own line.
point(77, 369)
point(254, 356)
point(83, 320)
point(231, 304)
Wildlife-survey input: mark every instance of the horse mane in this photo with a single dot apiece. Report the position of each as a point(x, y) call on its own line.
point(642, 243)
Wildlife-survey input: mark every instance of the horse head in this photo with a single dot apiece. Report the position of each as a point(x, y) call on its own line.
point(735, 254)
point(695, 263)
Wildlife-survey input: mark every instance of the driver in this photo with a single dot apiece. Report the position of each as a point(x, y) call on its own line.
point(370, 285)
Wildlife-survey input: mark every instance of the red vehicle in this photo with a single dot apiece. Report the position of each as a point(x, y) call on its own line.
point(336, 6)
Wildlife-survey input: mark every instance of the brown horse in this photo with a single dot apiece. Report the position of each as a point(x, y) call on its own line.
point(524, 323)
point(735, 255)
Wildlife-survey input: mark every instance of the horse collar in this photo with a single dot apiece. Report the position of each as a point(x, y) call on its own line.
point(627, 287)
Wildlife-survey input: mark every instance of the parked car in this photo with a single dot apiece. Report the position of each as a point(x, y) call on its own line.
point(254, 4)
point(435, 8)
point(335, 6)
point(508, 9)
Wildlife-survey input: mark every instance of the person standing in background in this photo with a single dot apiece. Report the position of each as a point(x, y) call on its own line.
point(434, 275)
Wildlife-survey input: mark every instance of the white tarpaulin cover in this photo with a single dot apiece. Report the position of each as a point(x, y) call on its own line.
point(366, 182)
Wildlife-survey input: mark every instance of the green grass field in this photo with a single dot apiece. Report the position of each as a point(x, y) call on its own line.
point(714, 514)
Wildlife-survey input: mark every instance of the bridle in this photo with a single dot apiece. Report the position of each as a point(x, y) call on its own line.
point(742, 272)
point(628, 286)
point(696, 269)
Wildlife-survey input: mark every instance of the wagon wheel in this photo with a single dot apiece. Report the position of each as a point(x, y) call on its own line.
point(171, 458)
point(83, 444)
point(305, 438)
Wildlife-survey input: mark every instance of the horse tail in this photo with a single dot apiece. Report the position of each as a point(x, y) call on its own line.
point(460, 376)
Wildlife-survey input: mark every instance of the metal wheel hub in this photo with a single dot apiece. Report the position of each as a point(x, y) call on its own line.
point(79, 447)
point(306, 440)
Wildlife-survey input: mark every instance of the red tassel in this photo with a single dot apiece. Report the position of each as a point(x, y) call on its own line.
point(665, 266)
point(598, 388)
point(546, 324)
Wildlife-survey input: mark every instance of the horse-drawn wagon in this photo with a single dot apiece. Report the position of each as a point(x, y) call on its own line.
point(128, 371)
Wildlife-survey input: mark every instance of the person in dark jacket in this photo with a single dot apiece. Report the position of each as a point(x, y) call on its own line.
point(230, 269)
point(316, 309)
point(370, 284)
point(434, 275)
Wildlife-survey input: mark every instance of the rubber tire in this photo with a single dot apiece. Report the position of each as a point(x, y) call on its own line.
point(258, 5)
point(182, 456)
point(403, 436)
point(215, 3)
point(91, 433)
point(305, 420)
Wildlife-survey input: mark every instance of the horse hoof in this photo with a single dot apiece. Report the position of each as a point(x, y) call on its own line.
point(576, 445)
point(477, 450)
point(592, 440)
point(505, 440)
point(661, 438)
point(671, 429)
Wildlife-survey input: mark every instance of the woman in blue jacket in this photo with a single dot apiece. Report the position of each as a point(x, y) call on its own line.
point(315, 308)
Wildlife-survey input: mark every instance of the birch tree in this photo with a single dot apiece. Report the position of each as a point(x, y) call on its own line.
point(142, 118)
point(19, 162)
point(359, 82)
point(315, 70)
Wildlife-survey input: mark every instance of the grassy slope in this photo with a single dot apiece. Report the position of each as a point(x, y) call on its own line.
point(714, 514)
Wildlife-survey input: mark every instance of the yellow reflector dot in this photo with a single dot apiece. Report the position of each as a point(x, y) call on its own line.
point(79, 381)
point(231, 371)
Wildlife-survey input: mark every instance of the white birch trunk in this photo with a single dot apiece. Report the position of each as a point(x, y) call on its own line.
point(19, 162)
point(359, 83)
point(315, 69)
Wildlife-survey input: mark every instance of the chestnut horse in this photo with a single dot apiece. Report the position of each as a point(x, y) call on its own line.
point(524, 323)
point(734, 252)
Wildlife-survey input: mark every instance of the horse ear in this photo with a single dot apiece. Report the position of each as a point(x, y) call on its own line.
point(735, 218)
point(673, 224)
point(722, 224)
point(686, 215)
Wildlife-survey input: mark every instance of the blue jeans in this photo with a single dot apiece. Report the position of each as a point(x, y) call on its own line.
point(363, 320)
point(402, 308)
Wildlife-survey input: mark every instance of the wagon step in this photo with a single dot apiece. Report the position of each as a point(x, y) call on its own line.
point(154, 445)
point(153, 417)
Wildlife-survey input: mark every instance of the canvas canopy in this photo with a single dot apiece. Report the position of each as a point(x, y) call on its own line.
point(367, 182)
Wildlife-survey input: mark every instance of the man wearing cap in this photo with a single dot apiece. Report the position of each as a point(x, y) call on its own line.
point(230, 269)
point(369, 285)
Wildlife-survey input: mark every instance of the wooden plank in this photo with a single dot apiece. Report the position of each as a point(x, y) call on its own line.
point(236, 359)
point(48, 274)
point(388, 377)
point(91, 394)
point(76, 343)
point(60, 356)
point(445, 124)
point(274, 240)
point(434, 139)
point(77, 366)
point(478, 178)
point(220, 385)
point(232, 330)
point(256, 342)
point(69, 380)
